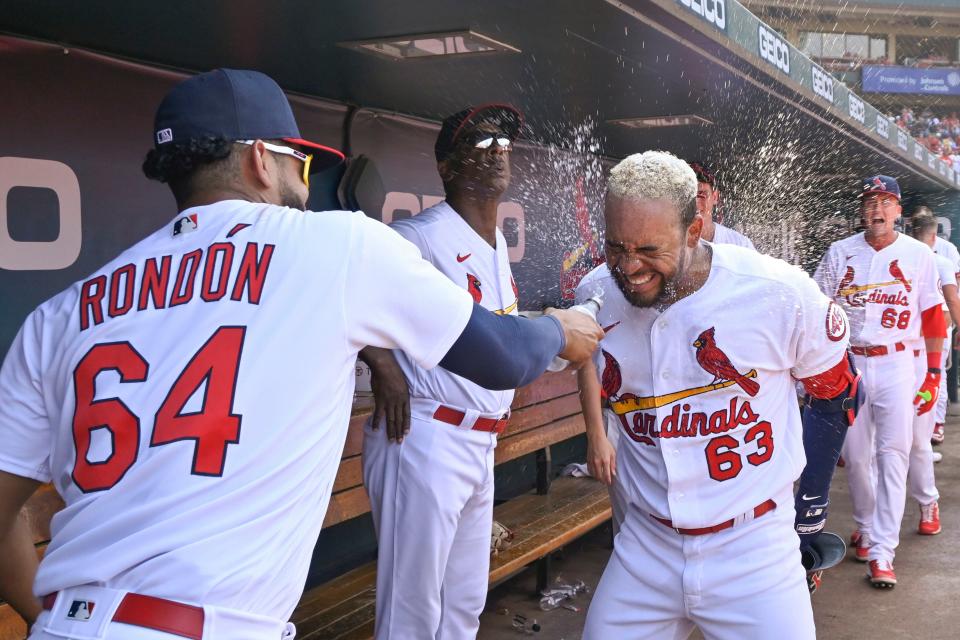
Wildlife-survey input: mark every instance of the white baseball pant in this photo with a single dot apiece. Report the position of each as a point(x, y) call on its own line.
point(431, 497)
point(618, 501)
point(877, 448)
point(94, 622)
point(921, 484)
point(743, 582)
point(944, 399)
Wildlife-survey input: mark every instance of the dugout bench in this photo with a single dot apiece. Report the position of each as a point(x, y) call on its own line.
point(556, 512)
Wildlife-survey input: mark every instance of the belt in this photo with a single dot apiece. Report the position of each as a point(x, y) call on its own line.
point(455, 417)
point(154, 613)
point(878, 350)
point(759, 510)
point(916, 353)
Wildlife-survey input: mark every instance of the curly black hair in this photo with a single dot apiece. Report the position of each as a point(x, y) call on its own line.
point(176, 164)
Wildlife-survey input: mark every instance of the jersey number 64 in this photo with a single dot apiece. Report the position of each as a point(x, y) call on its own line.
point(212, 428)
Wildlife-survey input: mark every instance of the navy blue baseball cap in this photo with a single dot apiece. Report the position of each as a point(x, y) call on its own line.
point(880, 184)
point(504, 116)
point(234, 104)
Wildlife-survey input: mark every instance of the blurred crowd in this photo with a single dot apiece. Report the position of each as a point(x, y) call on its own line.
point(939, 133)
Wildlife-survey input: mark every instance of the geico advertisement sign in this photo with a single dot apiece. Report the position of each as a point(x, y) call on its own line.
point(774, 49)
point(713, 11)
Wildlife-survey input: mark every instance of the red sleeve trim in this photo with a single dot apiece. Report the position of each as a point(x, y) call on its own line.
point(932, 324)
point(831, 382)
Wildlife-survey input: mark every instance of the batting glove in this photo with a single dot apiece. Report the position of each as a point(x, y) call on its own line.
point(926, 397)
point(811, 517)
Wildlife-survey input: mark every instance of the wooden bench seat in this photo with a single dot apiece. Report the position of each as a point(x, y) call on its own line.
point(343, 608)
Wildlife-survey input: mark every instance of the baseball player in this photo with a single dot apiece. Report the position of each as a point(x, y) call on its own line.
point(702, 345)
point(433, 526)
point(190, 399)
point(920, 478)
point(708, 196)
point(945, 249)
point(887, 283)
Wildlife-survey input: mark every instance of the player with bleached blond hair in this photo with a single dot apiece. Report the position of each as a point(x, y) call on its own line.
point(697, 367)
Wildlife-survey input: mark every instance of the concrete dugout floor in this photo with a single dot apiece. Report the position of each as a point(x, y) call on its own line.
point(925, 604)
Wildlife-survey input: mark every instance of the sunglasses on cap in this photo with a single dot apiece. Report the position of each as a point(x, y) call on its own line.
point(486, 139)
point(306, 158)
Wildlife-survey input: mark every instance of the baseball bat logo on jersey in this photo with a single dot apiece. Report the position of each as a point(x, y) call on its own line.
point(713, 360)
point(683, 422)
point(856, 294)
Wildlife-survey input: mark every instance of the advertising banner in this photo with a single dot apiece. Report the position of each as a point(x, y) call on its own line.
point(884, 79)
point(73, 196)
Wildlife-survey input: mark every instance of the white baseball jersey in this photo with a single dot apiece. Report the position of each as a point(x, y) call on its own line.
point(190, 399)
point(704, 392)
point(726, 235)
point(452, 246)
point(883, 292)
point(948, 250)
point(947, 274)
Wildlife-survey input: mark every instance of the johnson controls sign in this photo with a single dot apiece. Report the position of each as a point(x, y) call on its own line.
point(941, 82)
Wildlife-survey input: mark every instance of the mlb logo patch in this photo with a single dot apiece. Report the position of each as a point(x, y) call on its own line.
point(80, 610)
point(164, 135)
point(186, 224)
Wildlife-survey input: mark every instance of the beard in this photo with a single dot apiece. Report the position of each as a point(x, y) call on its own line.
point(665, 292)
point(290, 198)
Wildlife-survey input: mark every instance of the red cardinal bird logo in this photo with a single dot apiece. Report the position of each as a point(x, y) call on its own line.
point(715, 362)
point(611, 379)
point(473, 286)
point(846, 281)
point(898, 274)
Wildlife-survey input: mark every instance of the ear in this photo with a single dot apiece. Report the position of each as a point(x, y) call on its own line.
point(256, 166)
point(445, 169)
point(694, 231)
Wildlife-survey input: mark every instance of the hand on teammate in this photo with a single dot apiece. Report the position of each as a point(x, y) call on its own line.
point(602, 459)
point(391, 396)
point(582, 334)
point(926, 398)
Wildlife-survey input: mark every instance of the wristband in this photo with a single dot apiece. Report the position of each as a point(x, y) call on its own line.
point(933, 360)
point(934, 370)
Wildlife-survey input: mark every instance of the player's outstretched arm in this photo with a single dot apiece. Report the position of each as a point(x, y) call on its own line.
point(829, 412)
point(18, 559)
point(391, 396)
point(601, 456)
point(502, 352)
